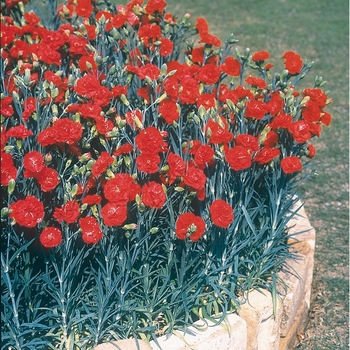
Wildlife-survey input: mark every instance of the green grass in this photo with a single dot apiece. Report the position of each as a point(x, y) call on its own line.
point(318, 31)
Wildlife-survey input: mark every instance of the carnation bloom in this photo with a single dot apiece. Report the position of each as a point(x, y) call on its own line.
point(195, 177)
point(102, 163)
point(260, 56)
point(90, 229)
point(291, 164)
point(293, 62)
point(114, 214)
point(51, 237)
point(238, 157)
point(266, 155)
point(69, 212)
point(27, 212)
point(189, 226)
point(33, 163)
point(8, 170)
point(149, 140)
point(177, 167)
point(153, 195)
point(221, 213)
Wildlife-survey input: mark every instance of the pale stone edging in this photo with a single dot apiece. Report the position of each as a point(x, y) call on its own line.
point(254, 327)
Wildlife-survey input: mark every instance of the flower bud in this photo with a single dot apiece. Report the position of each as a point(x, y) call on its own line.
point(85, 157)
point(124, 100)
point(11, 186)
point(130, 227)
point(154, 230)
point(48, 158)
point(4, 212)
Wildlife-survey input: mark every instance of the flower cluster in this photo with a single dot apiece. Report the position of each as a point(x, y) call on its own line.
point(107, 116)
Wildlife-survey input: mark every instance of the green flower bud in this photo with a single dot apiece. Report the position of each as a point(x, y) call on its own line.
point(11, 186)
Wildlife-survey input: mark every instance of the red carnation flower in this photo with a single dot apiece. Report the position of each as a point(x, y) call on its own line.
point(166, 47)
point(149, 70)
point(189, 226)
point(91, 199)
point(291, 164)
point(260, 56)
point(102, 163)
point(281, 120)
point(311, 111)
point(275, 104)
point(239, 158)
point(27, 212)
point(254, 81)
point(247, 141)
point(114, 214)
point(326, 118)
point(256, 109)
point(153, 195)
point(169, 111)
point(177, 166)
point(218, 133)
point(271, 139)
point(311, 149)
point(266, 155)
point(69, 212)
point(91, 231)
point(300, 131)
point(51, 237)
point(33, 163)
point(48, 179)
point(204, 155)
point(123, 149)
point(209, 74)
point(231, 67)
point(8, 170)
point(19, 132)
point(190, 90)
point(221, 213)
point(206, 100)
point(148, 163)
point(149, 140)
point(195, 177)
point(293, 62)
point(121, 189)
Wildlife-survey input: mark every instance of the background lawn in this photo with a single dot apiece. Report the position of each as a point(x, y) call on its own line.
point(319, 32)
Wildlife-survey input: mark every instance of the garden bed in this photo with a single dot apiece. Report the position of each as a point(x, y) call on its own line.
point(254, 327)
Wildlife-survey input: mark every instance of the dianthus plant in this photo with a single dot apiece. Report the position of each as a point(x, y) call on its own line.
point(147, 171)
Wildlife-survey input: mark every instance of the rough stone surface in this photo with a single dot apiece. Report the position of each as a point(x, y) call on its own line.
point(263, 329)
point(212, 338)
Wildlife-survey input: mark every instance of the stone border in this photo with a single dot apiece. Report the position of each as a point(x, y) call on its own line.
point(254, 327)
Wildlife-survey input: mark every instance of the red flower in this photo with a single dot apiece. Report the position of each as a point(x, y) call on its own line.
point(86, 85)
point(300, 131)
point(190, 90)
point(247, 141)
point(209, 74)
point(148, 163)
point(293, 62)
point(87, 63)
point(48, 179)
point(275, 104)
point(231, 67)
point(189, 226)
point(311, 149)
point(326, 118)
point(239, 158)
point(281, 120)
point(254, 81)
point(260, 56)
point(19, 132)
point(149, 70)
point(271, 139)
point(202, 25)
point(27, 212)
point(204, 155)
point(218, 134)
point(166, 47)
point(123, 149)
point(33, 163)
point(176, 166)
point(221, 213)
point(118, 20)
point(149, 32)
point(195, 177)
point(51, 237)
point(84, 8)
point(69, 212)
point(114, 214)
point(206, 100)
point(91, 231)
point(169, 111)
point(8, 170)
point(121, 189)
point(210, 39)
point(5, 106)
point(102, 163)
point(312, 111)
point(256, 109)
point(149, 140)
point(91, 199)
point(291, 164)
point(266, 155)
point(153, 195)
point(29, 108)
